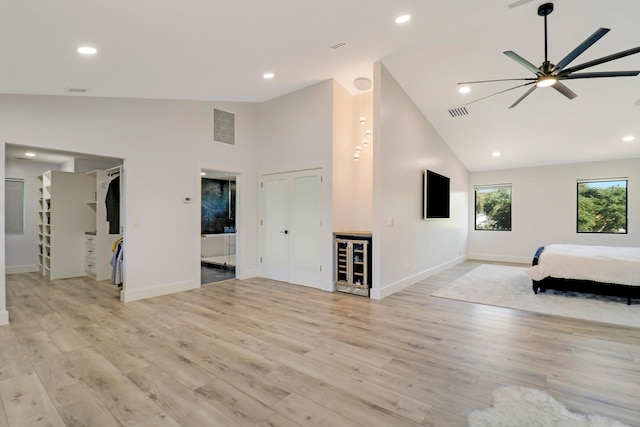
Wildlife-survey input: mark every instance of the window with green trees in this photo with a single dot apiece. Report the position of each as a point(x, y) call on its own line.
point(493, 207)
point(602, 206)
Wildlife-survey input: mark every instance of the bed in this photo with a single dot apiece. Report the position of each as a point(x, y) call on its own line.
point(603, 270)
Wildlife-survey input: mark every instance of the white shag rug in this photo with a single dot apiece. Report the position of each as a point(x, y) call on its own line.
point(516, 406)
point(510, 287)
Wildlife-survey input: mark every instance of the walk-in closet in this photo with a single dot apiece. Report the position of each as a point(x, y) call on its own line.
point(72, 210)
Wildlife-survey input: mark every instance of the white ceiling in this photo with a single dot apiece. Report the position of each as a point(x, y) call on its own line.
point(218, 50)
point(54, 157)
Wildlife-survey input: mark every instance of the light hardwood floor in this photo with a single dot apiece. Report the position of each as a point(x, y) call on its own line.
point(264, 353)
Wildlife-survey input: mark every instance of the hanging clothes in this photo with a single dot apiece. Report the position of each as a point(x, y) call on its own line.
point(117, 261)
point(112, 202)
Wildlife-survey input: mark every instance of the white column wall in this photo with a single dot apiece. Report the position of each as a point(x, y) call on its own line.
point(296, 133)
point(407, 248)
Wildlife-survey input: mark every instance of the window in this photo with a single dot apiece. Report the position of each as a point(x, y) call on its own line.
point(14, 203)
point(493, 207)
point(602, 206)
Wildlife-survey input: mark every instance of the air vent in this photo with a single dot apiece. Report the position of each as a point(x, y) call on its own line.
point(338, 45)
point(459, 112)
point(77, 90)
point(518, 3)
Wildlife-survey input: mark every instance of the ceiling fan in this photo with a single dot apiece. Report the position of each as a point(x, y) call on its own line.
point(549, 75)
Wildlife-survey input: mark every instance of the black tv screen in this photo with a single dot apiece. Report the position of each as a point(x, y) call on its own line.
point(435, 195)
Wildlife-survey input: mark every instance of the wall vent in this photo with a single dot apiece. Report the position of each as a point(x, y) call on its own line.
point(224, 127)
point(77, 89)
point(338, 45)
point(459, 112)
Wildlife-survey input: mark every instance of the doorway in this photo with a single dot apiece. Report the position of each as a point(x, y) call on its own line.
point(290, 227)
point(217, 226)
point(65, 229)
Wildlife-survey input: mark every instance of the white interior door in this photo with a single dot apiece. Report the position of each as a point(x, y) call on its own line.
point(275, 253)
point(291, 227)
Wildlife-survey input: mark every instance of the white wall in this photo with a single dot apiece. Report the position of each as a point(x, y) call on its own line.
point(22, 250)
point(163, 144)
point(544, 209)
point(405, 144)
point(81, 165)
point(352, 181)
point(343, 164)
point(296, 133)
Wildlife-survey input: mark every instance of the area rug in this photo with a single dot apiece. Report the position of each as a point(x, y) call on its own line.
point(529, 407)
point(510, 287)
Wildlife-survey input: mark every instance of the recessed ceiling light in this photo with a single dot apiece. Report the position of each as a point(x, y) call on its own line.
point(628, 138)
point(268, 75)
point(29, 154)
point(87, 50)
point(496, 154)
point(402, 19)
point(464, 89)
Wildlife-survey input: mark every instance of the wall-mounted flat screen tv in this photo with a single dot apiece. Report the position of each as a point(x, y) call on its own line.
point(435, 195)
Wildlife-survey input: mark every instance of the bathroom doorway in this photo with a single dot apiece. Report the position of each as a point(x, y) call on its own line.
point(217, 226)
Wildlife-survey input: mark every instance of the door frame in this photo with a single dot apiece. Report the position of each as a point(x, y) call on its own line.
point(197, 199)
point(325, 240)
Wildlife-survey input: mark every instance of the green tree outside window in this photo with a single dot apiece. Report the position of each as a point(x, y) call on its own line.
point(493, 208)
point(602, 207)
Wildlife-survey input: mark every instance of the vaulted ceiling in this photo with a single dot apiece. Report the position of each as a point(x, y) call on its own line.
point(220, 49)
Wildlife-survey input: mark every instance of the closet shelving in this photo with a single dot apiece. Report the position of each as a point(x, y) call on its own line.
point(97, 241)
point(44, 226)
point(63, 219)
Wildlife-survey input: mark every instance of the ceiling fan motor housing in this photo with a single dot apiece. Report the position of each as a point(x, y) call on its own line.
point(545, 9)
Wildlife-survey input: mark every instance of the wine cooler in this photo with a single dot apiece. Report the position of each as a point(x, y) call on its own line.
point(353, 266)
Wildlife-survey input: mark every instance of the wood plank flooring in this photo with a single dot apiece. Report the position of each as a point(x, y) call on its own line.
point(264, 353)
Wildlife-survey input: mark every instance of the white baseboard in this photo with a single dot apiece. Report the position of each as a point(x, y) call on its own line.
point(4, 317)
point(22, 269)
point(412, 280)
point(246, 274)
point(156, 291)
point(501, 258)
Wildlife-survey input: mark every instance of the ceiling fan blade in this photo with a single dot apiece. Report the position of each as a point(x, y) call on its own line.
point(600, 74)
point(520, 60)
point(599, 61)
point(523, 96)
point(564, 90)
point(600, 32)
point(498, 80)
point(498, 93)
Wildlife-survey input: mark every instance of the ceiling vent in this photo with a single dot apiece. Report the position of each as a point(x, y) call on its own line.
point(518, 3)
point(77, 90)
point(459, 112)
point(338, 45)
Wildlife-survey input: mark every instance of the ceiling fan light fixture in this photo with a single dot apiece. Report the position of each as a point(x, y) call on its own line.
point(546, 81)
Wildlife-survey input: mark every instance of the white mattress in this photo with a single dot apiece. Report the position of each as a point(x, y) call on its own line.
point(229, 260)
point(606, 264)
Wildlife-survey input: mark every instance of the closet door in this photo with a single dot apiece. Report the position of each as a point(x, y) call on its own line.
point(291, 227)
point(274, 223)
